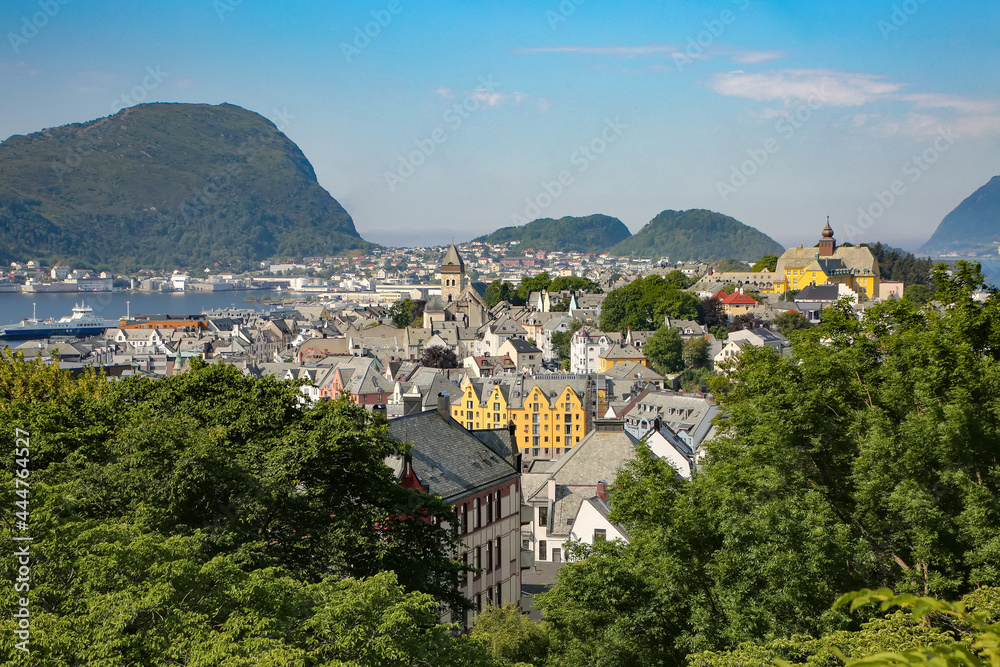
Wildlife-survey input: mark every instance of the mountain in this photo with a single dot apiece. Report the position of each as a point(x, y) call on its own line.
point(697, 234)
point(165, 186)
point(973, 227)
point(593, 233)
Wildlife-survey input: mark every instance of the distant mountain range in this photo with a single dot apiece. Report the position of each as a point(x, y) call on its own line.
point(165, 186)
point(590, 234)
point(972, 228)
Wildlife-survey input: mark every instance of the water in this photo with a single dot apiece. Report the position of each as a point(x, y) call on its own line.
point(15, 307)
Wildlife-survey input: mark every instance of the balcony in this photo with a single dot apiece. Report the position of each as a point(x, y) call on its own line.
point(527, 559)
point(527, 514)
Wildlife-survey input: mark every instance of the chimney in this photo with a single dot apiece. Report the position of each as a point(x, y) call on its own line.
point(602, 490)
point(380, 409)
point(551, 490)
point(444, 405)
point(411, 404)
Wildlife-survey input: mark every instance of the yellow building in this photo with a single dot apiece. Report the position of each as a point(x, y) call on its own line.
point(549, 416)
point(620, 353)
point(825, 263)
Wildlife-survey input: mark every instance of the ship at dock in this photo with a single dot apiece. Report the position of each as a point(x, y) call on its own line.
point(82, 323)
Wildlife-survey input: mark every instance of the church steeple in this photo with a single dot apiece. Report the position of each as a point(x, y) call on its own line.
point(827, 244)
point(452, 275)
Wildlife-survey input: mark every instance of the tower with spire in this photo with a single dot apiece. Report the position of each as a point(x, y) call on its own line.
point(452, 275)
point(827, 244)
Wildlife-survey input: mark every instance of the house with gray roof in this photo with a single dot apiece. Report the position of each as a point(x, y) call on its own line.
point(476, 472)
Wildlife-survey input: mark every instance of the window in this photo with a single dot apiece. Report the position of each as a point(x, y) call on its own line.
point(543, 516)
point(478, 519)
point(526, 543)
point(534, 429)
point(489, 596)
point(498, 504)
point(468, 425)
point(534, 442)
point(479, 602)
point(489, 556)
point(498, 602)
point(496, 406)
point(541, 550)
point(534, 418)
point(534, 452)
point(468, 405)
point(498, 552)
point(600, 534)
point(465, 517)
point(496, 416)
point(478, 562)
point(465, 574)
point(489, 509)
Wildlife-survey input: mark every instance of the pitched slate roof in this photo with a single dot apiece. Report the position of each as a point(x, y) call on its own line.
point(449, 459)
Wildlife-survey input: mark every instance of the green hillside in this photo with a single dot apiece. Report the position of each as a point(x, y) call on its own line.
point(165, 186)
point(697, 234)
point(593, 233)
point(973, 228)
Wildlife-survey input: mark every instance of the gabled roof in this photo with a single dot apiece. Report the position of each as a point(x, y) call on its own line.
point(452, 258)
point(818, 293)
point(450, 460)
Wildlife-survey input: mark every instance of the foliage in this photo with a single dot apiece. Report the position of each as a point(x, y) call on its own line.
point(694, 379)
point(664, 349)
point(406, 311)
point(729, 264)
point(867, 458)
point(769, 262)
point(789, 295)
point(562, 341)
point(590, 234)
point(918, 294)
point(439, 356)
point(711, 313)
point(695, 353)
point(211, 518)
point(500, 290)
point(606, 612)
point(165, 186)
point(643, 304)
point(789, 321)
point(536, 283)
point(561, 306)
point(510, 637)
point(748, 321)
point(575, 284)
point(697, 234)
point(679, 279)
point(894, 264)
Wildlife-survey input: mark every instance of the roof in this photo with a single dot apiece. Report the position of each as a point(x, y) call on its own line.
point(521, 346)
point(818, 293)
point(452, 258)
point(449, 459)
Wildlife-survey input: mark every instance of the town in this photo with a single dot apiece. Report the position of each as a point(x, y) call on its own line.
point(520, 415)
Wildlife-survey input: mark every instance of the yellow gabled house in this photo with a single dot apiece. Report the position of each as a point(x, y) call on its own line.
point(826, 263)
point(620, 353)
point(549, 416)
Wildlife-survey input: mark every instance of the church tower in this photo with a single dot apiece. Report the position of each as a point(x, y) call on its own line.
point(452, 275)
point(827, 244)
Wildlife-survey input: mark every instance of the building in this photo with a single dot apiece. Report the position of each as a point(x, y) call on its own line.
point(558, 489)
point(620, 353)
point(477, 473)
point(452, 275)
point(852, 266)
point(526, 357)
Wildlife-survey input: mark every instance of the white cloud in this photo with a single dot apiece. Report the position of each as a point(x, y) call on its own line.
point(830, 87)
point(968, 117)
point(493, 98)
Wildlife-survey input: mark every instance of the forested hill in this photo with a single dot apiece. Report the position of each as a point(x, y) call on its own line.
point(697, 234)
point(165, 186)
point(593, 233)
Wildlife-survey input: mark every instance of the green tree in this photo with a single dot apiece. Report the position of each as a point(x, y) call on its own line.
point(405, 312)
point(711, 313)
point(643, 304)
point(867, 458)
point(212, 518)
point(678, 279)
point(574, 283)
point(918, 294)
point(695, 353)
point(497, 291)
point(510, 636)
point(665, 350)
point(769, 262)
point(536, 283)
point(438, 356)
point(790, 321)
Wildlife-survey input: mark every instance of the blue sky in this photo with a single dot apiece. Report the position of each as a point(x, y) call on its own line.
point(448, 120)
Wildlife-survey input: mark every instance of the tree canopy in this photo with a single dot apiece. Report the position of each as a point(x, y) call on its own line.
point(867, 459)
point(643, 304)
point(212, 518)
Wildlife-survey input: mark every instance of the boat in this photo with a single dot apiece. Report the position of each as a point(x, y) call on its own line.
point(80, 324)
